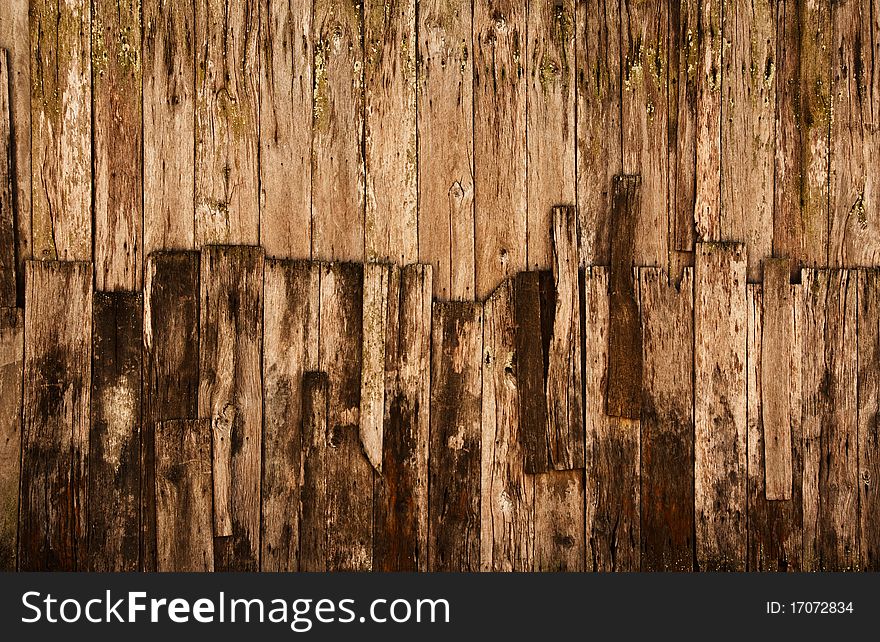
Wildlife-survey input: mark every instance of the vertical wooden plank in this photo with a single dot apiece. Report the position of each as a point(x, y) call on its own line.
point(499, 140)
point(337, 131)
point(708, 37)
point(667, 422)
point(117, 120)
point(720, 406)
point(684, 38)
point(748, 127)
point(530, 363)
point(8, 266)
point(830, 422)
point(227, 122)
point(559, 521)
point(285, 107)
point(114, 443)
point(400, 522)
point(231, 395)
point(169, 125)
point(313, 521)
point(869, 428)
point(11, 365)
point(55, 428)
point(61, 130)
point(290, 339)
point(446, 146)
point(390, 148)
point(183, 496)
point(454, 502)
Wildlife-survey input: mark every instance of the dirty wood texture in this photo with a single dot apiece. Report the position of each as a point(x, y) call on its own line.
point(684, 37)
point(313, 519)
point(775, 539)
point(183, 496)
point(551, 119)
point(748, 90)
point(290, 340)
point(61, 130)
point(830, 422)
point(869, 428)
point(530, 373)
point(8, 232)
point(114, 443)
point(720, 406)
point(338, 131)
point(390, 162)
point(285, 109)
point(559, 521)
point(400, 499)
point(507, 493)
point(446, 145)
point(667, 423)
point(454, 501)
point(624, 384)
point(168, 61)
point(55, 425)
point(500, 94)
point(707, 44)
point(116, 139)
point(11, 365)
point(599, 142)
point(231, 396)
point(227, 127)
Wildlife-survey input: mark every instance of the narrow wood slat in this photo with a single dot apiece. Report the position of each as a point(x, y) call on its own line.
point(684, 39)
point(231, 395)
point(707, 65)
point(183, 496)
point(869, 428)
point(8, 267)
point(720, 406)
point(11, 366)
point(454, 501)
point(55, 428)
point(114, 449)
point(314, 493)
point(530, 362)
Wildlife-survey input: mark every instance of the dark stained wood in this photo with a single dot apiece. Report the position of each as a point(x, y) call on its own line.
point(55, 428)
point(454, 487)
point(313, 521)
point(11, 365)
point(114, 442)
point(8, 266)
point(560, 544)
point(183, 496)
point(869, 427)
point(530, 371)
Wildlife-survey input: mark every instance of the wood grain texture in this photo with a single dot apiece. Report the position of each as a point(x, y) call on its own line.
point(869, 428)
point(313, 520)
point(169, 125)
point(830, 421)
point(55, 426)
point(286, 93)
point(231, 393)
point(183, 496)
point(338, 131)
point(117, 157)
point(61, 130)
point(684, 38)
point(227, 138)
point(114, 443)
point(11, 367)
point(667, 422)
point(446, 145)
point(390, 150)
point(707, 41)
point(454, 500)
point(720, 406)
point(560, 543)
point(290, 347)
point(530, 373)
point(8, 231)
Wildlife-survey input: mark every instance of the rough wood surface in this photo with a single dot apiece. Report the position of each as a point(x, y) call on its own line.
point(530, 373)
point(720, 406)
point(869, 428)
point(231, 393)
point(454, 508)
point(55, 426)
point(183, 496)
point(707, 43)
point(114, 443)
point(560, 544)
point(11, 365)
point(314, 493)
point(8, 231)
point(684, 38)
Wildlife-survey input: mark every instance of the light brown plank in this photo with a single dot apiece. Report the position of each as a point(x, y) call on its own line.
point(8, 264)
point(11, 365)
point(869, 428)
point(708, 45)
point(560, 544)
point(684, 37)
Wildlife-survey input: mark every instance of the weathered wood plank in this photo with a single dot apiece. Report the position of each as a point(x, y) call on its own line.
point(532, 433)
point(227, 114)
point(560, 543)
point(169, 125)
point(707, 42)
point(830, 421)
point(8, 266)
point(720, 406)
point(55, 428)
point(391, 162)
point(337, 131)
point(400, 521)
point(454, 513)
point(290, 340)
point(231, 395)
point(114, 448)
point(116, 139)
point(61, 130)
point(667, 422)
point(183, 496)
point(11, 365)
point(446, 145)
point(869, 428)
point(684, 38)
point(285, 106)
point(313, 520)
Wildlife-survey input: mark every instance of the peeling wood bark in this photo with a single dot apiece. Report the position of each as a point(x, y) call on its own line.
point(11, 366)
point(708, 45)
point(869, 429)
point(314, 493)
point(8, 231)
